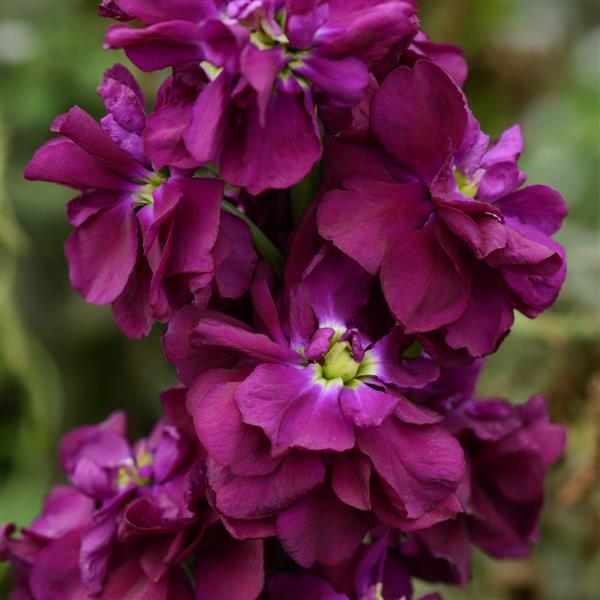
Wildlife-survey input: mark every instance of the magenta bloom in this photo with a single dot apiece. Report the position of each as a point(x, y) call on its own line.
point(131, 517)
point(308, 432)
point(509, 450)
point(442, 217)
point(270, 62)
point(143, 242)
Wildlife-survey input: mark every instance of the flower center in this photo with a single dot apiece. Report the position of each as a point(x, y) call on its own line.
point(467, 186)
point(338, 363)
point(144, 195)
point(138, 471)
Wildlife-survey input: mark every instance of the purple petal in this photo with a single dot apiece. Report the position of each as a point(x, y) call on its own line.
point(423, 465)
point(427, 291)
point(123, 99)
point(499, 180)
point(228, 440)
point(508, 148)
point(64, 162)
point(277, 155)
point(208, 129)
point(299, 586)
point(282, 400)
point(370, 216)
point(131, 309)
point(540, 206)
point(100, 443)
point(158, 46)
point(350, 479)
point(448, 57)
point(102, 253)
point(342, 80)
point(487, 318)
point(229, 568)
point(55, 573)
point(155, 11)
point(321, 528)
point(235, 257)
point(64, 509)
point(366, 406)
point(417, 114)
point(191, 361)
point(84, 130)
point(338, 286)
point(390, 367)
point(221, 332)
point(266, 495)
point(260, 68)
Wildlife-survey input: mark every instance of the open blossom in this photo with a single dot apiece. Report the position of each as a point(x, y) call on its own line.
point(270, 62)
point(509, 450)
point(440, 213)
point(130, 518)
point(307, 430)
point(144, 242)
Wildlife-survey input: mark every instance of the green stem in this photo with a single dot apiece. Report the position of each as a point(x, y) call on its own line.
point(263, 244)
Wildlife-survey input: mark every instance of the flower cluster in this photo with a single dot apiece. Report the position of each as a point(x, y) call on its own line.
point(334, 244)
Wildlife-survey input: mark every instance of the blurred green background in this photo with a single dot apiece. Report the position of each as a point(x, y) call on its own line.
point(63, 363)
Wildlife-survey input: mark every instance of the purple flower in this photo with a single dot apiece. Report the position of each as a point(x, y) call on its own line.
point(509, 450)
point(315, 384)
point(143, 242)
point(131, 517)
point(269, 63)
point(439, 212)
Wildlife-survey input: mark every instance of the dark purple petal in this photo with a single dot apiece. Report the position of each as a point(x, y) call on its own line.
point(487, 318)
point(294, 409)
point(64, 162)
point(155, 11)
point(84, 130)
point(235, 257)
point(189, 360)
point(321, 528)
point(391, 368)
point(365, 406)
point(131, 309)
point(423, 465)
point(228, 440)
point(102, 253)
point(277, 155)
point(208, 129)
point(223, 333)
point(123, 99)
point(338, 286)
point(256, 497)
point(342, 80)
point(161, 45)
point(366, 219)
point(421, 283)
point(64, 509)
point(419, 114)
point(55, 573)
point(229, 568)
point(299, 586)
point(540, 206)
point(350, 479)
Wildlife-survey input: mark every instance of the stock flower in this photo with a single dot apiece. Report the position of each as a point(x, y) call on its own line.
point(144, 242)
point(307, 430)
point(439, 212)
point(131, 516)
point(509, 450)
point(270, 62)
